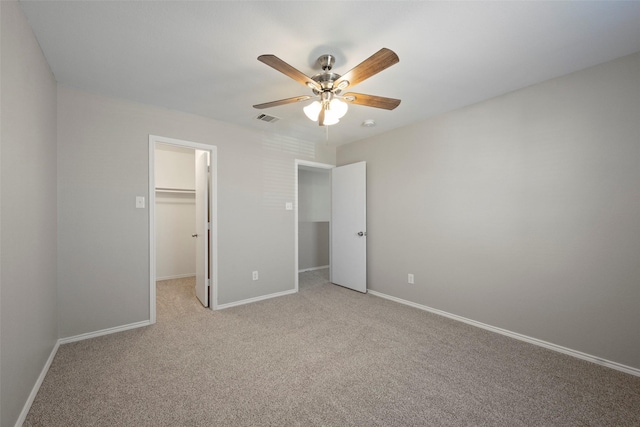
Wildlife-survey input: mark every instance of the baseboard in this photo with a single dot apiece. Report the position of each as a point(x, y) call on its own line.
point(322, 267)
point(575, 353)
point(47, 365)
point(178, 276)
point(256, 299)
point(103, 332)
point(36, 386)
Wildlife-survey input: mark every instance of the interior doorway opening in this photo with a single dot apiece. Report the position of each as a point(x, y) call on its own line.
point(312, 217)
point(175, 209)
point(182, 217)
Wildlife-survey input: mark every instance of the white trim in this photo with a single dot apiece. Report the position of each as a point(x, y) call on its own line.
point(213, 227)
point(61, 341)
point(560, 349)
point(177, 276)
point(213, 209)
point(36, 386)
point(322, 267)
point(256, 299)
point(152, 230)
point(299, 163)
point(102, 332)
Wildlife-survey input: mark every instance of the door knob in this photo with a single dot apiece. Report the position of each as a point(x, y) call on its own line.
point(194, 235)
point(362, 233)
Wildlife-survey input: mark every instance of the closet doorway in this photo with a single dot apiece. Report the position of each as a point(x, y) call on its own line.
point(182, 210)
point(313, 217)
point(331, 200)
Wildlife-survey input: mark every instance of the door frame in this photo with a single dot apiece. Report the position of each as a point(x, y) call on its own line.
point(202, 229)
point(213, 209)
point(317, 165)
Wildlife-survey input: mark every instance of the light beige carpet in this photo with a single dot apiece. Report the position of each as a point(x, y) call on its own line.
point(326, 356)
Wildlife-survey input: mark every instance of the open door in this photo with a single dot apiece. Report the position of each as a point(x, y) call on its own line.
point(349, 226)
point(202, 227)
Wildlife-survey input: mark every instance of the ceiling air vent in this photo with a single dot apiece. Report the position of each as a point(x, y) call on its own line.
point(267, 118)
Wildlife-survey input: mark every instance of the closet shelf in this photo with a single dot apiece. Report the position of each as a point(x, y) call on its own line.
point(174, 190)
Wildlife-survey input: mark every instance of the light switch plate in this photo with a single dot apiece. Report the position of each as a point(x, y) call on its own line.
point(289, 206)
point(140, 202)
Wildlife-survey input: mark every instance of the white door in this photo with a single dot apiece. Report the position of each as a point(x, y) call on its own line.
point(202, 229)
point(349, 226)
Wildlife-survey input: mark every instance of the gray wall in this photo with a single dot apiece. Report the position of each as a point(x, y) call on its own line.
point(522, 212)
point(103, 270)
point(314, 195)
point(314, 215)
point(313, 245)
point(28, 212)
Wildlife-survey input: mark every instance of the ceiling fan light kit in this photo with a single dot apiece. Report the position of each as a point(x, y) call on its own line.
point(329, 105)
point(334, 110)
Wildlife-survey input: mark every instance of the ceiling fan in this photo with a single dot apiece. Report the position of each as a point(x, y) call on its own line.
point(330, 104)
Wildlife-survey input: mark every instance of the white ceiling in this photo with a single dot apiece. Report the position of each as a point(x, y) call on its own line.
point(200, 57)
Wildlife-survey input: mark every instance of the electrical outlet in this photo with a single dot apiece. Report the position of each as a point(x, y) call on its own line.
point(255, 275)
point(410, 279)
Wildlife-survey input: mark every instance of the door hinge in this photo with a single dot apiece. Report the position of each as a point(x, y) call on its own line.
point(208, 226)
point(208, 282)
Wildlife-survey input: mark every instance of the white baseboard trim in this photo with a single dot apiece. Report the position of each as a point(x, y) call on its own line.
point(102, 332)
point(575, 353)
point(178, 276)
point(36, 386)
point(47, 365)
point(256, 299)
point(322, 267)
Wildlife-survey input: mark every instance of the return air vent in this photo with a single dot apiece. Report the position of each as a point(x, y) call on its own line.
point(267, 118)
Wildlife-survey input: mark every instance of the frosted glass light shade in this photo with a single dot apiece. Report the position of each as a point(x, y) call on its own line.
point(338, 108)
point(330, 119)
point(313, 110)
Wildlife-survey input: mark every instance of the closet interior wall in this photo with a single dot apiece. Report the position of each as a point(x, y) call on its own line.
point(314, 215)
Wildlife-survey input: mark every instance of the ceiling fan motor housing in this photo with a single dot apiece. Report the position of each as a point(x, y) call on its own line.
point(325, 80)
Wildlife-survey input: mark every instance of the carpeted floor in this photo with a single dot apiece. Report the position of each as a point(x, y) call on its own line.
point(326, 356)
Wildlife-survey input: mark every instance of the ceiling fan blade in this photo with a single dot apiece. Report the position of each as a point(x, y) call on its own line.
point(278, 64)
point(283, 102)
point(381, 60)
point(371, 100)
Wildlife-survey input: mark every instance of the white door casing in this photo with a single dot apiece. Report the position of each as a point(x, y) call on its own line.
point(202, 229)
point(212, 195)
point(349, 226)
